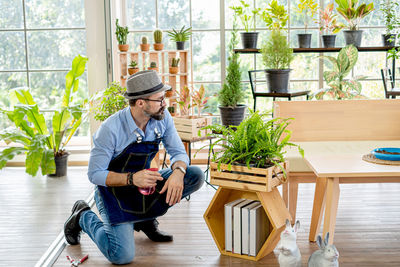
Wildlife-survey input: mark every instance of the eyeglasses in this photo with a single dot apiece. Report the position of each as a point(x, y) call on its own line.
point(156, 100)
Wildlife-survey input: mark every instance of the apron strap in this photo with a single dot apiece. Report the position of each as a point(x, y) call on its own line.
point(158, 134)
point(139, 138)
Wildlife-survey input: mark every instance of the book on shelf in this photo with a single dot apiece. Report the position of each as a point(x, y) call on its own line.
point(259, 229)
point(246, 226)
point(237, 225)
point(228, 212)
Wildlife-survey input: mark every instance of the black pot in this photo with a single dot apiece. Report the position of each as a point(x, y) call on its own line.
point(353, 37)
point(277, 80)
point(249, 39)
point(304, 40)
point(328, 40)
point(61, 165)
point(180, 45)
point(389, 40)
point(232, 116)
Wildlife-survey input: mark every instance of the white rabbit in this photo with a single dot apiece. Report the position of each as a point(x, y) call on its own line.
point(289, 255)
point(326, 256)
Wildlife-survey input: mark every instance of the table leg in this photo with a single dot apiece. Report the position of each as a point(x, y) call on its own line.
point(285, 193)
point(293, 190)
point(318, 208)
point(331, 206)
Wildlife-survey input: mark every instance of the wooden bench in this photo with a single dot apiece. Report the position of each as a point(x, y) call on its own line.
point(337, 124)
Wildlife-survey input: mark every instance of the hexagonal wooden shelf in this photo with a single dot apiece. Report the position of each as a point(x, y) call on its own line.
point(273, 205)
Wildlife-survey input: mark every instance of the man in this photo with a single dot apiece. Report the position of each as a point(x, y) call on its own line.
point(123, 148)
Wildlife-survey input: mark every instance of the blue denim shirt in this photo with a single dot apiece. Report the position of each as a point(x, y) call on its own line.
point(117, 132)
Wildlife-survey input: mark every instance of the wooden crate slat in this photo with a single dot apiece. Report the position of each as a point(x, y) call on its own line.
point(238, 185)
point(242, 177)
point(240, 168)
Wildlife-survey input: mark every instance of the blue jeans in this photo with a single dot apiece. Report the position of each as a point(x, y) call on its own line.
point(116, 242)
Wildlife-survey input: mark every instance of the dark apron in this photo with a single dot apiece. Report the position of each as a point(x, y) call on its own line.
point(126, 203)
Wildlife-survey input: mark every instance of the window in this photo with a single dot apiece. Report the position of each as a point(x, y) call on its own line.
point(38, 41)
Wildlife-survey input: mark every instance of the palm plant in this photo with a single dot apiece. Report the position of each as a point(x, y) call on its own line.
point(180, 36)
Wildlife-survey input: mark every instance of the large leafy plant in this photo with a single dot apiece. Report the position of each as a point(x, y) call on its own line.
point(108, 101)
point(275, 16)
point(328, 20)
point(352, 12)
point(31, 133)
point(339, 88)
point(308, 9)
point(246, 14)
point(276, 53)
point(256, 142)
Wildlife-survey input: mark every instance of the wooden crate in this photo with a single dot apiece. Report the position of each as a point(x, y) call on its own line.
point(243, 178)
point(188, 127)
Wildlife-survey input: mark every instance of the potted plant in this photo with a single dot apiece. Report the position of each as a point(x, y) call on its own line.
point(276, 56)
point(108, 101)
point(173, 69)
point(133, 67)
point(329, 26)
point(247, 16)
point(275, 16)
point(308, 9)
point(144, 46)
point(44, 148)
point(392, 21)
point(122, 34)
point(186, 123)
point(158, 45)
point(231, 93)
point(180, 37)
point(353, 15)
point(153, 66)
point(339, 88)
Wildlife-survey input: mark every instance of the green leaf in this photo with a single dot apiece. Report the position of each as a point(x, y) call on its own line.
point(34, 155)
point(329, 76)
point(48, 165)
point(9, 153)
point(13, 135)
point(23, 95)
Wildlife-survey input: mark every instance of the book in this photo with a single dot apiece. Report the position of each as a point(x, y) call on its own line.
point(246, 226)
point(259, 229)
point(237, 226)
point(228, 212)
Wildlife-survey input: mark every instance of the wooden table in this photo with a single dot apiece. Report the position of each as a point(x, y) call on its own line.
point(332, 170)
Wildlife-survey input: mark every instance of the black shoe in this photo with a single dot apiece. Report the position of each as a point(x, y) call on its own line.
point(150, 228)
point(72, 230)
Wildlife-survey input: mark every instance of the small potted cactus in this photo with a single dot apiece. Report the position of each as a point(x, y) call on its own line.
point(144, 46)
point(173, 69)
point(158, 45)
point(122, 34)
point(133, 67)
point(153, 66)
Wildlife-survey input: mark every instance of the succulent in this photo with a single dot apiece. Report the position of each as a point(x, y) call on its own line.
point(121, 33)
point(133, 64)
point(144, 40)
point(158, 36)
point(180, 36)
point(175, 62)
point(153, 65)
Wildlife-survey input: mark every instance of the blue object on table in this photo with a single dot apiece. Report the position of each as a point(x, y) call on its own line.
point(387, 156)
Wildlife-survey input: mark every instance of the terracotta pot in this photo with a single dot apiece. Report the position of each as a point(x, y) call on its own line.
point(155, 69)
point(173, 70)
point(158, 46)
point(145, 47)
point(123, 48)
point(132, 70)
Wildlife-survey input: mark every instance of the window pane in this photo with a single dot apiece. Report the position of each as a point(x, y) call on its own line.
point(205, 14)
point(11, 14)
point(12, 51)
point(55, 49)
point(206, 56)
point(373, 89)
point(9, 81)
point(173, 14)
point(141, 15)
point(55, 13)
point(48, 88)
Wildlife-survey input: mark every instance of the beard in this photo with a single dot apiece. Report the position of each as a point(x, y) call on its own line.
point(159, 115)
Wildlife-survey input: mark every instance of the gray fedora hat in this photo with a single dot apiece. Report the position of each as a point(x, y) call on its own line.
point(143, 84)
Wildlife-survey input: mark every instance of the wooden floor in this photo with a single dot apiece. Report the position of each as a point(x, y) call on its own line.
point(33, 210)
point(368, 232)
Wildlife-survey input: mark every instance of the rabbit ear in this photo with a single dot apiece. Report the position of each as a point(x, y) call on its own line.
point(288, 223)
point(320, 244)
point(326, 241)
point(297, 226)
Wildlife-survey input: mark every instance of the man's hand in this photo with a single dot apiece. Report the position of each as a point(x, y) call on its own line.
point(174, 184)
point(146, 178)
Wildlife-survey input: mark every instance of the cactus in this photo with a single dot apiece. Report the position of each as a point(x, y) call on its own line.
point(158, 36)
point(175, 62)
point(153, 65)
point(144, 40)
point(121, 33)
point(133, 64)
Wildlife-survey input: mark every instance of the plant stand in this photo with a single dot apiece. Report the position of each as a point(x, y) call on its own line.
point(235, 184)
